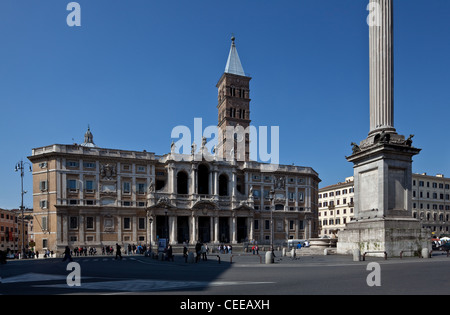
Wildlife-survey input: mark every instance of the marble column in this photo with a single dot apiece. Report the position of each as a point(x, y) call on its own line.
point(381, 44)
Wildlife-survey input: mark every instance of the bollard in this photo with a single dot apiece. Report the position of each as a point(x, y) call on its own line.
point(269, 257)
point(293, 253)
point(325, 252)
point(283, 253)
point(356, 255)
point(425, 253)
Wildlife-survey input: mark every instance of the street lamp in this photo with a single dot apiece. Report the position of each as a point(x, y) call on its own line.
point(20, 166)
point(271, 198)
point(167, 228)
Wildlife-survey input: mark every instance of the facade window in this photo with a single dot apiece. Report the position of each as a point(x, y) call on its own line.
point(141, 224)
point(90, 223)
point(43, 204)
point(126, 223)
point(73, 223)
point(72, 184)
point(72, 164)
point(182, 183)
point(141, 188)
point(43, 185)
point(126, 187)
point(89, 164)
point(89, 185)
point(223, 185)
point(44, 223)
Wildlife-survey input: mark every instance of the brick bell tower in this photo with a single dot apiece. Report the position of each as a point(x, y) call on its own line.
point(234, 109)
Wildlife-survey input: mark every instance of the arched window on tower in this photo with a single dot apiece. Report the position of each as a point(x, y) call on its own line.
point(182, 183)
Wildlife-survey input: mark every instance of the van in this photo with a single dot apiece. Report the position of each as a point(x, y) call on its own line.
point(294, 243)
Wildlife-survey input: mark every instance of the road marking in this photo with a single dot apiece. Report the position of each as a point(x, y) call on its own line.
point(35, 277)
point(143, 285)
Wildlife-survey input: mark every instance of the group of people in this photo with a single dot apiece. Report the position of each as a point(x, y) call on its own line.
point(29, 253)
point(225, 249)
point(80, 251)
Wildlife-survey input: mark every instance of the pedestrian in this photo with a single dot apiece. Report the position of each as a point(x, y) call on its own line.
point(118, 252)
point(169, 253)
point(185, 252)
point(198, 249)
point(67, 254)
point(203, 250)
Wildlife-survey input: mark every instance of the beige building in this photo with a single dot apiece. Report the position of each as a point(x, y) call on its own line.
point(335, 207)
point(430, 204)
point(85, 195)
point(11, 236)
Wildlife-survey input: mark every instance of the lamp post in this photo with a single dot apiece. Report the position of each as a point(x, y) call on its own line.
point(271, 198)
point(167, 228)
point(20, 166)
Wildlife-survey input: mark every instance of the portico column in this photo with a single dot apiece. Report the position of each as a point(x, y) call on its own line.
point(216, 229)
point(250, 221)
point(119, 229)
point(152, 230)
point(173, 229)
point(65, 229)
point(211, 228)
point(233, 229)
point(81, 236)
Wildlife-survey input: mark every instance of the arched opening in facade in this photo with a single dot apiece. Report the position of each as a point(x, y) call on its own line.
point(182, 183)
point(203, 179)
point(279, 206)
point(223, 185)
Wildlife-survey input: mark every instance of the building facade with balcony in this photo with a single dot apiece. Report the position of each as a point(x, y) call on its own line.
point(85, 195)
point(430, 204)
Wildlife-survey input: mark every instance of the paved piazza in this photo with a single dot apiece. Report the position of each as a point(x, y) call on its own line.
point(245, 275)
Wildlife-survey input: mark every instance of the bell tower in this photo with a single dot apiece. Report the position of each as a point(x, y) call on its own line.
point(234, 109)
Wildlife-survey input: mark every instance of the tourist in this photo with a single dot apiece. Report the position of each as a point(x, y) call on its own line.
point(67, 254)
point(118, 252)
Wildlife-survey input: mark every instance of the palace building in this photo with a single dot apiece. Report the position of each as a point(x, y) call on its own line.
point(86, 195)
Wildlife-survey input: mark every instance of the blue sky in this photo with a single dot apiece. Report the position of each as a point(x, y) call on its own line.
point(135, 69)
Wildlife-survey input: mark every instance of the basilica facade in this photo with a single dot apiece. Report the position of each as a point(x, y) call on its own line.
point(88, 196)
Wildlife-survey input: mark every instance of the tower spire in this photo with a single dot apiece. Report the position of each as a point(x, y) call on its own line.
point(234, 65)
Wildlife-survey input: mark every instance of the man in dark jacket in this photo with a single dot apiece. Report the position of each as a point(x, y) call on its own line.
point(67, 254)
point(118, 252)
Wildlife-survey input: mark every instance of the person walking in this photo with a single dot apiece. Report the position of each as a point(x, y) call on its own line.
point(118, 252)
point(67, 254)
point(169, 253)
point(185, 252)
point(203, 250)
point(198, 249)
